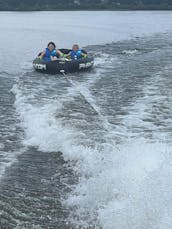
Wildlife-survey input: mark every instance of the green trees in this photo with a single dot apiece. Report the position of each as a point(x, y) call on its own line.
point(83, 4)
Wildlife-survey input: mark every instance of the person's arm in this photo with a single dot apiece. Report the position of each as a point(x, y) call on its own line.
point(83, 54)
point(63, 55)
point(68, 55)
point(42, 54)
point(60, 53)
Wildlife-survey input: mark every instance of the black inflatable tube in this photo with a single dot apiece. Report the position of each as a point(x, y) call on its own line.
point(63, 65)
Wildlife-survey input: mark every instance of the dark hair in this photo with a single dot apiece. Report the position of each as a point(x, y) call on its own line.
point(51, 43)
point(76, 45)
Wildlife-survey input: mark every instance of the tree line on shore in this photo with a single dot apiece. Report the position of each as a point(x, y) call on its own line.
point(26, 5)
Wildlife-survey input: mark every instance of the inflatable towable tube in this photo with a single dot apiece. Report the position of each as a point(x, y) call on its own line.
point(63, 65)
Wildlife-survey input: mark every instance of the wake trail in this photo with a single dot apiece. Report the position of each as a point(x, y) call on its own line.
point(95, 109)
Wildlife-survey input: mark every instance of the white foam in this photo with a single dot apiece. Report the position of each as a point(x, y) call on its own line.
point(130, 52)
point(7, 159)
point(116, 181)
point(120, 186)
point(114, 188)
point(105, 60)
point(40, 124)
point(149, 206)
point(126, 186)
point(145, 112)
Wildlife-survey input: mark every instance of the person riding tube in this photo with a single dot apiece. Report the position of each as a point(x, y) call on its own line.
point(76, 53)
point(50, 53)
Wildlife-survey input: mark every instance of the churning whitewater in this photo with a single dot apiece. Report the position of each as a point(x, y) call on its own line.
point(94, 153)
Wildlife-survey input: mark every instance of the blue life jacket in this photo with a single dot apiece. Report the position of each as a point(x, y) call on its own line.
point(76, 54)
point(48, 54)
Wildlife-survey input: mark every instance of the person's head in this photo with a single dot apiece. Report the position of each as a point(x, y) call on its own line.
point(51, 46)
point(75, 47)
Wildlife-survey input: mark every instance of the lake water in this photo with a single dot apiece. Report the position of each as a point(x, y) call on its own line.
point(95, 153)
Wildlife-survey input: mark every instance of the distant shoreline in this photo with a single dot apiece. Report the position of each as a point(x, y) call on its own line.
point(123, 10)
point(153, 8)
